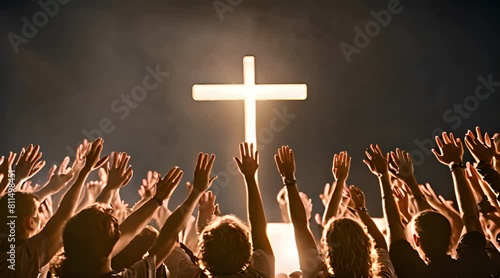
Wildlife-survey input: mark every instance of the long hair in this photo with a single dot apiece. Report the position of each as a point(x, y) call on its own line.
point(349, 250)
point(88, 239)
point(225, 246)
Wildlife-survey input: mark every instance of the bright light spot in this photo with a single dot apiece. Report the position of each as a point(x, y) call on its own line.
point(285, 251)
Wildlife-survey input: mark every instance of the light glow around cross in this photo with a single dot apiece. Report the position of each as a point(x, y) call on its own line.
point(249, 92)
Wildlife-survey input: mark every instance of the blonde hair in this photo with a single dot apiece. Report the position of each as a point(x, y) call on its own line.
point(349, 250)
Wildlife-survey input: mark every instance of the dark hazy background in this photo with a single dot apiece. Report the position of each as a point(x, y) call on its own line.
point(394, 92)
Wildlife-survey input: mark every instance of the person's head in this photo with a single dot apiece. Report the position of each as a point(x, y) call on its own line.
point(348, 249)
point(135, 250)
point(431, 234)
point(225, 246)
point(88, 239)
point(26, 208)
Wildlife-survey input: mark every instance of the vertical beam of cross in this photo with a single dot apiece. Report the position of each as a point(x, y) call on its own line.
point(249, 92)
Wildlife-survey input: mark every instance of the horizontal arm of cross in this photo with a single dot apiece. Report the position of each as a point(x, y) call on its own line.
point(241, 92)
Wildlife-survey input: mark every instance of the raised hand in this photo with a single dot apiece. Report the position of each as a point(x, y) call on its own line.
point(5, 167)
point(29, 187)
point(451, 150)
point(401, 165)
point(29, 163)
point(81, 152)
point(167, 185)
point(481, 148)
point(206, 209)
point(357, 197)
point(430, 195)
point(63, 175)
point(148, 187)
point(118, 173)
point(92, 156)
point(103, 175)
point(94, 188)
point(285, 161)
point(325, 196)
point(249, 161)
point(202, 180)
point(282, 200)
point(496, 142)
point(341, 166)
point(376, 162)
point(46, 211)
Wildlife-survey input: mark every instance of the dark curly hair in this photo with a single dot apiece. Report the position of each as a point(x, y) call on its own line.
point(225, 246)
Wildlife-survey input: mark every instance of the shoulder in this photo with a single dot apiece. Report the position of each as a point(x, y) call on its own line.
point(144, 268)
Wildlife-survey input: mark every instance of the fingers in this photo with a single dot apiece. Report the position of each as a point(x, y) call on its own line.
point(52, 170)
point(479, 135)
point(278, 163)
point(242, 150)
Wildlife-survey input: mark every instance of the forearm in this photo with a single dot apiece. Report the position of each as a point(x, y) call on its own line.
point(174, 224)
point(76, 174)
point(134, 224)
point(296, 207)
point(332, 207)
point(490, 175)
point(202, 220)
point(391, 212)
point(422, 203)
point(49, 189)
point(303, 236)
point(466, 203)
point(373, 230)
point(106, 195)
point(256, 214)
point(86, 201)
point(45, 192)
point(70, 200)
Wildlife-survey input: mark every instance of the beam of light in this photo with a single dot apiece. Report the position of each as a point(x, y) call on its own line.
point(284, 247)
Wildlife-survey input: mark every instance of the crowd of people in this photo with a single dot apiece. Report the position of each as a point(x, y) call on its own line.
point(91, 232)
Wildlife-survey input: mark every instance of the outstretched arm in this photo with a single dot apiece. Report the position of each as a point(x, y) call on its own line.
point(445, 208)
point(248, 164)
point(54, 227)
point(285, 161)
point(135, 223)
point(179, 218)
point(57, 181)
point(401, 166)
point(340, 171)
point(378, 165)
point(451, 153)
point(28, 164)
point(358, 197)
point(119, 174)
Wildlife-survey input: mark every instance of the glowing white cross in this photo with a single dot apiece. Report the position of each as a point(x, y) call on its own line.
point(250, 93)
